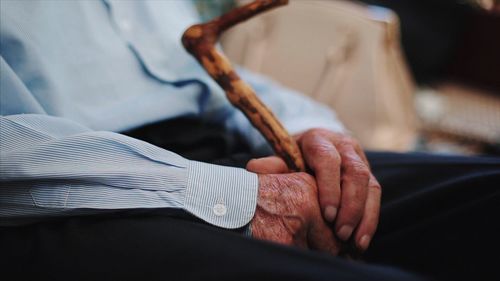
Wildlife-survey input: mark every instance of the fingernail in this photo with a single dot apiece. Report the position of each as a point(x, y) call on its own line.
point(345, 232)
point(330, 213)
point(364, 242)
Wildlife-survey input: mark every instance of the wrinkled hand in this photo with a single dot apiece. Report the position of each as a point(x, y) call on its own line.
point(288, 213)
point(349, 195)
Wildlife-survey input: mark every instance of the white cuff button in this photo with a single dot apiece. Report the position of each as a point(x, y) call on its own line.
point(220, 210)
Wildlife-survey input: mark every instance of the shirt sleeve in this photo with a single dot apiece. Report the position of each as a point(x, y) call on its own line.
point(296, 111)
point(53, 166)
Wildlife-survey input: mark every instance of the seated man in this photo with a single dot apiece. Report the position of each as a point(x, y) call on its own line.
point(101, 110)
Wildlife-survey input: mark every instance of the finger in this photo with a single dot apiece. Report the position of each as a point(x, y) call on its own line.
point(355, 178)
point(321, 237)
point(368, 225)
point(267, 165)
point(359, 150)
point(323, 159)
point(369, 222)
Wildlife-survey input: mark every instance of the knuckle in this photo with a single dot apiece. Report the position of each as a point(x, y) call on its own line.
point(335, 156)
point(306, 181)
point(324, 150)
point(376, 186)
point(349, 142)
point(346, 140)
point(306, 178)
point(317, 145)
point(359, 170)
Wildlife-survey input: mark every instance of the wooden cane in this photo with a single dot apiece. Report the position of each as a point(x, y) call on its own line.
point(200, 40)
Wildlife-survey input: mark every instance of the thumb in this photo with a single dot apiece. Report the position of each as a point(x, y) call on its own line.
point(267, 165)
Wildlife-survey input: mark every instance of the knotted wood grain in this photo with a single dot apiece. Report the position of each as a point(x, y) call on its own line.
point(200, 40)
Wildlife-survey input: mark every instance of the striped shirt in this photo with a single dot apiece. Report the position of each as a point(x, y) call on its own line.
point(50, 166)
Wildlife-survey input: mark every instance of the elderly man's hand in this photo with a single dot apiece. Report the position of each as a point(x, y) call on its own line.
point(348, 192)
point(288, 213)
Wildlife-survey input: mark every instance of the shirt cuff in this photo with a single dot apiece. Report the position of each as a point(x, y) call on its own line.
point(223, 196)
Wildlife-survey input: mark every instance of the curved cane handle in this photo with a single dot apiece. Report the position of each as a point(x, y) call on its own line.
point(200, 40)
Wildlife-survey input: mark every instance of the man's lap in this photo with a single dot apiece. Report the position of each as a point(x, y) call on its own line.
point(438, 218)
point(154, 247)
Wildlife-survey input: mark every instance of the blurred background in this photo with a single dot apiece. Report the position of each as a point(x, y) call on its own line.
point(402, 75)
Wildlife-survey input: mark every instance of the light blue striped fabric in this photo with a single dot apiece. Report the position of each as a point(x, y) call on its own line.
point(74, 72)
point(50, 166)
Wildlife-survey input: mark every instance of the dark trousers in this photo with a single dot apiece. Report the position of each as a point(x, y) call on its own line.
point(439, 219)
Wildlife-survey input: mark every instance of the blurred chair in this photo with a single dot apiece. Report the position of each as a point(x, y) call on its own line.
point(343, 54)
point(461, 112)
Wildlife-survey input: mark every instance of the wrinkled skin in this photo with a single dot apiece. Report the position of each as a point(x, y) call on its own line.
point(347, 194)
point(288, 213)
